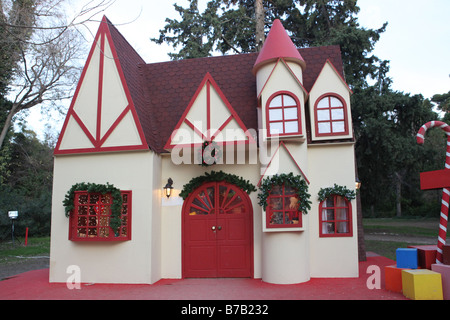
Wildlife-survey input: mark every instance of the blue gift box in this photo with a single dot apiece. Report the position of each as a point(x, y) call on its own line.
point(407, 258)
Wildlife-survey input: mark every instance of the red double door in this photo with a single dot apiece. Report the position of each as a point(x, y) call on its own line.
point(217, 232)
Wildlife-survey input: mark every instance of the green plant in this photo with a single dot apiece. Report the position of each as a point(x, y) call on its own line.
point(116, 207)
point(337, 191)
point(214, 176)
point(295, 182)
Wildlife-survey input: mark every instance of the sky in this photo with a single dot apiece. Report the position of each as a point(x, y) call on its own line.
point(416, 42)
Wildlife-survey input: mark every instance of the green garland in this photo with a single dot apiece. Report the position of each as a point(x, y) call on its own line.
point(337, 191)
point(212, 155)
point(295, 182)
point(116, 207)
point(214, 176)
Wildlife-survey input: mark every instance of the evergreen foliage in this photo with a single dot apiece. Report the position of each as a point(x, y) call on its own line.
point(116, 207)
point(295, 182)
point(215, 176)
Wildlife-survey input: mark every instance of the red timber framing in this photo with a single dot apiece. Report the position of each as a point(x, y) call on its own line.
point(211, 133)
point(292, 158)
point(97, 139)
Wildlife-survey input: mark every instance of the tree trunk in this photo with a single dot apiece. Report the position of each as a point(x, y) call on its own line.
point(7, 124)
point(260, 14)
point(398, 195)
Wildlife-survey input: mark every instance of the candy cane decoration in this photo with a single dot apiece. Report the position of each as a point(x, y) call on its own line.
point(446, 191)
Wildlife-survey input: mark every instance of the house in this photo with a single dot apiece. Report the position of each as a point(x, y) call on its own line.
point(256, 152)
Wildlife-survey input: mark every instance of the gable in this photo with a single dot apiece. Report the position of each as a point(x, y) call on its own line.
point(102, 116)
point(208, 117)
point(282, 162)
point(330, 85)
point(330, 79)
point(282, 77)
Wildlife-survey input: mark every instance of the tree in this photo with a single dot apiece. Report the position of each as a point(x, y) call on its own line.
point(28, 185)
point(39, 46)
point(235, 26)
point(442, 102)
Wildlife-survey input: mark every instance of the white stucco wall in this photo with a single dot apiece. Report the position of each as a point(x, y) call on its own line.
point(134, 261)
point(334, 256)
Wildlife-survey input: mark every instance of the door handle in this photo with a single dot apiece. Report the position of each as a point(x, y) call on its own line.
point(213, 228)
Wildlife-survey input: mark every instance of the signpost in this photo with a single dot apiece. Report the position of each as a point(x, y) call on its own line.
point(13, 215)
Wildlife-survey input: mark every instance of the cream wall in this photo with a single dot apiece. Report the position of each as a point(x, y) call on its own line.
point(134, 261)
point(335, 256)
point(329, 82)
point(281, 78)
point(171, 229)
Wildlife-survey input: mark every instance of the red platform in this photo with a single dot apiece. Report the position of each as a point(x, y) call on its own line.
point(34, 285)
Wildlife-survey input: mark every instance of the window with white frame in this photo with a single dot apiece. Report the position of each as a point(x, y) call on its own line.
point(283, 115)
point(331, 116)
point(335, 217)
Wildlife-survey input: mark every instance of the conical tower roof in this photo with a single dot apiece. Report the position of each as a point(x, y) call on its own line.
point(278, 45)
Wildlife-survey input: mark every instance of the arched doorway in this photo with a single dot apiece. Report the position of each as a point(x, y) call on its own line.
point(217, 232)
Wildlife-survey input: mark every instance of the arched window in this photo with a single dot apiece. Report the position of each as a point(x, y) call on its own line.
point(335, 217)
point(283, 114)
point(282, 208)
point(331, 116)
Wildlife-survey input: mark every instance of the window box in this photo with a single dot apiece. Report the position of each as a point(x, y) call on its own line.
point(90, 217)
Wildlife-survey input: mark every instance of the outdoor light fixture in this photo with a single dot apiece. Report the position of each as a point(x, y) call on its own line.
point(357, 184)
point(13, 215)
point(168, 188)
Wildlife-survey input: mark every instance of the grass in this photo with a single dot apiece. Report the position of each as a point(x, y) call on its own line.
point(385, 248)
point(403, 230)
point(35, 247)
point(401, 227)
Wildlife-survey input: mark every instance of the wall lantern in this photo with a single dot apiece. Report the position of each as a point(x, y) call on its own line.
point(168, 188)
point(357, 184)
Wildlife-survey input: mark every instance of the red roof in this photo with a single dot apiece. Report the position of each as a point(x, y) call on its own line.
point(278, 44)
point(161, 91)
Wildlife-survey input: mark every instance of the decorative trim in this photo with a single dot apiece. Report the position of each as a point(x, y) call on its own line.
point(283, 121)
point(292, 158)
point(95, 138)
point(116, 207)
point(337, 191)
point(290, 180)
point(209, 134)
point(214, 176)
point(345, 111)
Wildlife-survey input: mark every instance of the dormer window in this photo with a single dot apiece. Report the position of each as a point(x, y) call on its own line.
point(331, 116)
point(283, 115)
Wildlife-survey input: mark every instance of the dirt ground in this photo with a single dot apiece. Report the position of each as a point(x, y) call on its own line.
point(21, 265)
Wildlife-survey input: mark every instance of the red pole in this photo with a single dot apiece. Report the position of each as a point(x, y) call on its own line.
point(26, 236)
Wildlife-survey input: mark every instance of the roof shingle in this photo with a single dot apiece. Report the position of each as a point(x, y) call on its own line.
point(162, 91)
